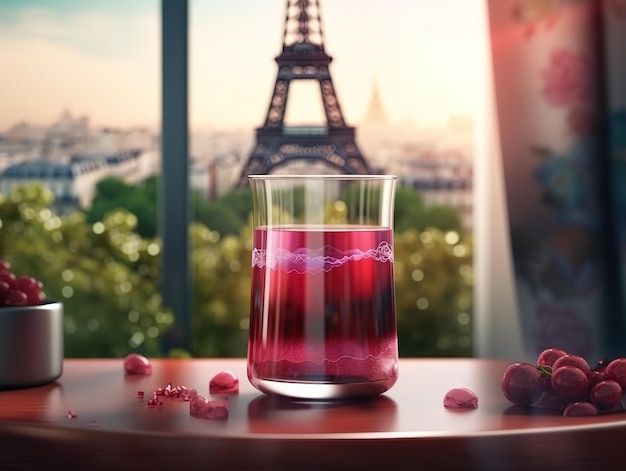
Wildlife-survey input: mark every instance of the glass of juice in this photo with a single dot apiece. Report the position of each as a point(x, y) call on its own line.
point(322, 308)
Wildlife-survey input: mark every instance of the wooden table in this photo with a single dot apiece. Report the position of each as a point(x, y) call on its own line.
point(406, 428)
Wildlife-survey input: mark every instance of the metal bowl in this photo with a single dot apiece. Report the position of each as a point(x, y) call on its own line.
point(31, 345)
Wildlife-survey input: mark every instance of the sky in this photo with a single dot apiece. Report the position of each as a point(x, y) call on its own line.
point(101, 58)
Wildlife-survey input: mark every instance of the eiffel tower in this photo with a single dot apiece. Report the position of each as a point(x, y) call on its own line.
point(303, 58)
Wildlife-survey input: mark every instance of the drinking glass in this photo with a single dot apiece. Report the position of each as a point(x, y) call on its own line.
point(322, 308)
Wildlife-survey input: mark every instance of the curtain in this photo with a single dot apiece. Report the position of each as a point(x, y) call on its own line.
point(559, 90)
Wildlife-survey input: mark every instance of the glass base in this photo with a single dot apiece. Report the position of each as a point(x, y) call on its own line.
point(322, 390)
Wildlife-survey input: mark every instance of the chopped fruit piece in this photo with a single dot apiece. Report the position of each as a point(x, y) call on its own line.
point(460, 398)
point(205, 409)
point(225, 382)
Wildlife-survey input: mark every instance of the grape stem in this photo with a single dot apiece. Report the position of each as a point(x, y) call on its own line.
point(545, 370)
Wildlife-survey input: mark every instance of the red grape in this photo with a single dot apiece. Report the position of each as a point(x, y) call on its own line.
point(549, 356)
point(4, 289)
point(606, 394)
point(19, 291)
point(597, 376)
point(136, 364)
point(25, 283)
point(15, 298)
point(522, 383)
point(7, 276)
point(570, 382)
point(573, 360)
point(616, 370)
point(580, 409)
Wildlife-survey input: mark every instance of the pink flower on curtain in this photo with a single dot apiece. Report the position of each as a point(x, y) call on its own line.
point(567, 80)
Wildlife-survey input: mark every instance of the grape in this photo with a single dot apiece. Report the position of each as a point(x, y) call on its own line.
point(7, 276)
point(596, 377)
point(549, 356)
point(606, 394)
point(579, 409)
point(25, 283)
point(4, 265)
point(522, 383)
point(36, 298)
point(570, 382)
point(136, 364)
point(616, 370)
point(15, 298)
point(573, 360)
point(19, 291)
point(4, 289)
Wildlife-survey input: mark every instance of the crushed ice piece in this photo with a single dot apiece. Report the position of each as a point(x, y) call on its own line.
point(155, 402)
point(205, 409)
point(460, 398)
point(136, 364)
point(170, 392)
point(225, 382)
point(188, 394)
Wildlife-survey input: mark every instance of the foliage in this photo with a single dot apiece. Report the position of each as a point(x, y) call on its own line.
point(412, 213)
point(222, 272)
point(434, 279)
point(141, 200)
point(216, 215)
point(107, 276)
point(105, 273)
point(226, 215)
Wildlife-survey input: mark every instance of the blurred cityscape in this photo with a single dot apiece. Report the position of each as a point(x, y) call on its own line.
point(69, 156)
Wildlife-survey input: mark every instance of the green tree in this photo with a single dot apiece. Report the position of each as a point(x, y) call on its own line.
point(217, 215)
point(239, 202)
point(411, 213)
point(434, 280)
point(222, 274)
point(106, 275)
point(141, 200)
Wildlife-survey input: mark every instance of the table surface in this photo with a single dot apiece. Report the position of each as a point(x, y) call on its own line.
point(406, 427)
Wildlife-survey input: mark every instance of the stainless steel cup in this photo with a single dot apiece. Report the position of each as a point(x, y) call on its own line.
point(31, 345)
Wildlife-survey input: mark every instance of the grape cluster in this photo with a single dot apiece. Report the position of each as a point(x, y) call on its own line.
point(567, 383)
point(19, 290)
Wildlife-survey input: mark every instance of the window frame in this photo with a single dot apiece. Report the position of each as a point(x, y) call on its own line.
point(174, 206)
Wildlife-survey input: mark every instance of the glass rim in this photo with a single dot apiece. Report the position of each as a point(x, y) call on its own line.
point(324, 177)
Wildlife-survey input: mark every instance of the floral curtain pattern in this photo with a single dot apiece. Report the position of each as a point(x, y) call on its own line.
point(559, 72)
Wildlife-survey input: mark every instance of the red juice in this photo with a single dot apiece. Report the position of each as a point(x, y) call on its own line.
point(322, 318)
